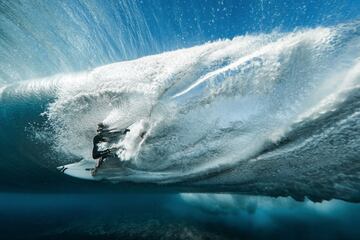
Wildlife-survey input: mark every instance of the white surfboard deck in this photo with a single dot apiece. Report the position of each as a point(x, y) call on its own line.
point(80, 169)
point(112, 170)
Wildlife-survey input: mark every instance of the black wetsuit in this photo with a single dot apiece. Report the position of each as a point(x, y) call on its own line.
point(96, 153)
point(111, 135)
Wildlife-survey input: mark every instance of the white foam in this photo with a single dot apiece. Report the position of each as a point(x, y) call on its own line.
point(207, 107)
point(132, 141)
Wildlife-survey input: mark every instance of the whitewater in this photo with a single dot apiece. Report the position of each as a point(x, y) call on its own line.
point(274, 114)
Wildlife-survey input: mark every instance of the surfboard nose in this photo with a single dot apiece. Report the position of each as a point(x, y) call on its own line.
point(80, 169)
point(61, 168)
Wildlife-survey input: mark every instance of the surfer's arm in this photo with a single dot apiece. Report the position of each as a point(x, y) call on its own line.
point(98, 154)
point(111, 132)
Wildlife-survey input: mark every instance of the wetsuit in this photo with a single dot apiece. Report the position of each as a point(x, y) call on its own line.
point(96, 153)
point(99, 138)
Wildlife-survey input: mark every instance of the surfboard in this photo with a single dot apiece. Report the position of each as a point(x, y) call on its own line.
point(80, 169)
point(111, 170)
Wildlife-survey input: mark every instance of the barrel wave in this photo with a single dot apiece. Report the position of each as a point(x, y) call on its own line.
point(273, 114)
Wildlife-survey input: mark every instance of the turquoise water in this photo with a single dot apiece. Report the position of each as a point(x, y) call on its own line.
point(258, 98)
point(163, 216)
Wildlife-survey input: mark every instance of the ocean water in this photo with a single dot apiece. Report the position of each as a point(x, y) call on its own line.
point(252, 111)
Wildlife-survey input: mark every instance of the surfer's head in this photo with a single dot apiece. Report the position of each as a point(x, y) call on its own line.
point(101, 127)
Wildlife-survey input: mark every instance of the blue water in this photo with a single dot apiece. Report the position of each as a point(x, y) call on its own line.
point(253, 108)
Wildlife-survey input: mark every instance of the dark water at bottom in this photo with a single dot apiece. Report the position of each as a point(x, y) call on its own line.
point(173, 216)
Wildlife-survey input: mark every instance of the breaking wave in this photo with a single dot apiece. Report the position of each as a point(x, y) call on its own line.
point(274, 114)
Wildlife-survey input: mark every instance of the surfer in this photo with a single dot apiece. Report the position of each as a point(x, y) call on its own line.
point(104, 134)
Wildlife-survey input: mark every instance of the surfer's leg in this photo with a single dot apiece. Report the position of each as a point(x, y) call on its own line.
point(98, 164)
point(93, 172)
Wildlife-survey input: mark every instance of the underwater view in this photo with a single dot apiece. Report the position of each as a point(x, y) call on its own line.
point(179, 119)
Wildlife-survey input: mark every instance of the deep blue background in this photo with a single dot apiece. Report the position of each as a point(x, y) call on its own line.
point(167, 216)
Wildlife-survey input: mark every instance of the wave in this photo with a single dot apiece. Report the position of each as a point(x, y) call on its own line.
point(274, 114)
